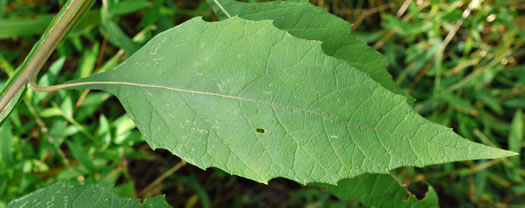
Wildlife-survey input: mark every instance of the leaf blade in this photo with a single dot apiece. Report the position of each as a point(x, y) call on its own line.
point(206, 104)
point(381, 190)
point(306, 21)
point(94, 195)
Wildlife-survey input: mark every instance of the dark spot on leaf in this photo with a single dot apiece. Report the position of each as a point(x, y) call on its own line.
point(260, 130)
point(254, 8)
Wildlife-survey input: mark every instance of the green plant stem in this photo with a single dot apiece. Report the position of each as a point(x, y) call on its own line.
point(36, 59)
point(222, 8)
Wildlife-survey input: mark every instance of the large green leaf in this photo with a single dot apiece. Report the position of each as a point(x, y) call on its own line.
point(257, 102)
point(381, 190)
point(91, 195)
point(304, 20)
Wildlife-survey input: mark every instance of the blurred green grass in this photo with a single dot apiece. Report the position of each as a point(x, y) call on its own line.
point(463, 61)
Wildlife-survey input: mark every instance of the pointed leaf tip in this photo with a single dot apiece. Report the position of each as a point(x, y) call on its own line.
point(257, 77)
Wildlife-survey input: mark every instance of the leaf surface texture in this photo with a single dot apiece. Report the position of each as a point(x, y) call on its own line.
point(306, 21)
point(260, 103)
point(303, 20)
point(381, 190)
point(89, 195)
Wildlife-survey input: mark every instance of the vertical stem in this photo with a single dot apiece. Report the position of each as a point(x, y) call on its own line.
point(36, 59)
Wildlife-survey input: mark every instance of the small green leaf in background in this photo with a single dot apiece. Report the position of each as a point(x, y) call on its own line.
point(457, 102)
point(127, 7)
point(5, 143)
point(112, 30)
point(257, 102)
point(516, 136)
point(88, 61)
point(90, 195)
point(152, 14)
point(117, 37)
point(381, 190)
point(36, 24)
point(481, 180)
point(81, 156)
point(14, 27)
point(515, 140)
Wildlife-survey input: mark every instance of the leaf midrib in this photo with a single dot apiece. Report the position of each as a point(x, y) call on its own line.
point(356, 124)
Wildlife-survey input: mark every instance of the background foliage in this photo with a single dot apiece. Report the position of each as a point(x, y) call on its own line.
point(463, 61)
